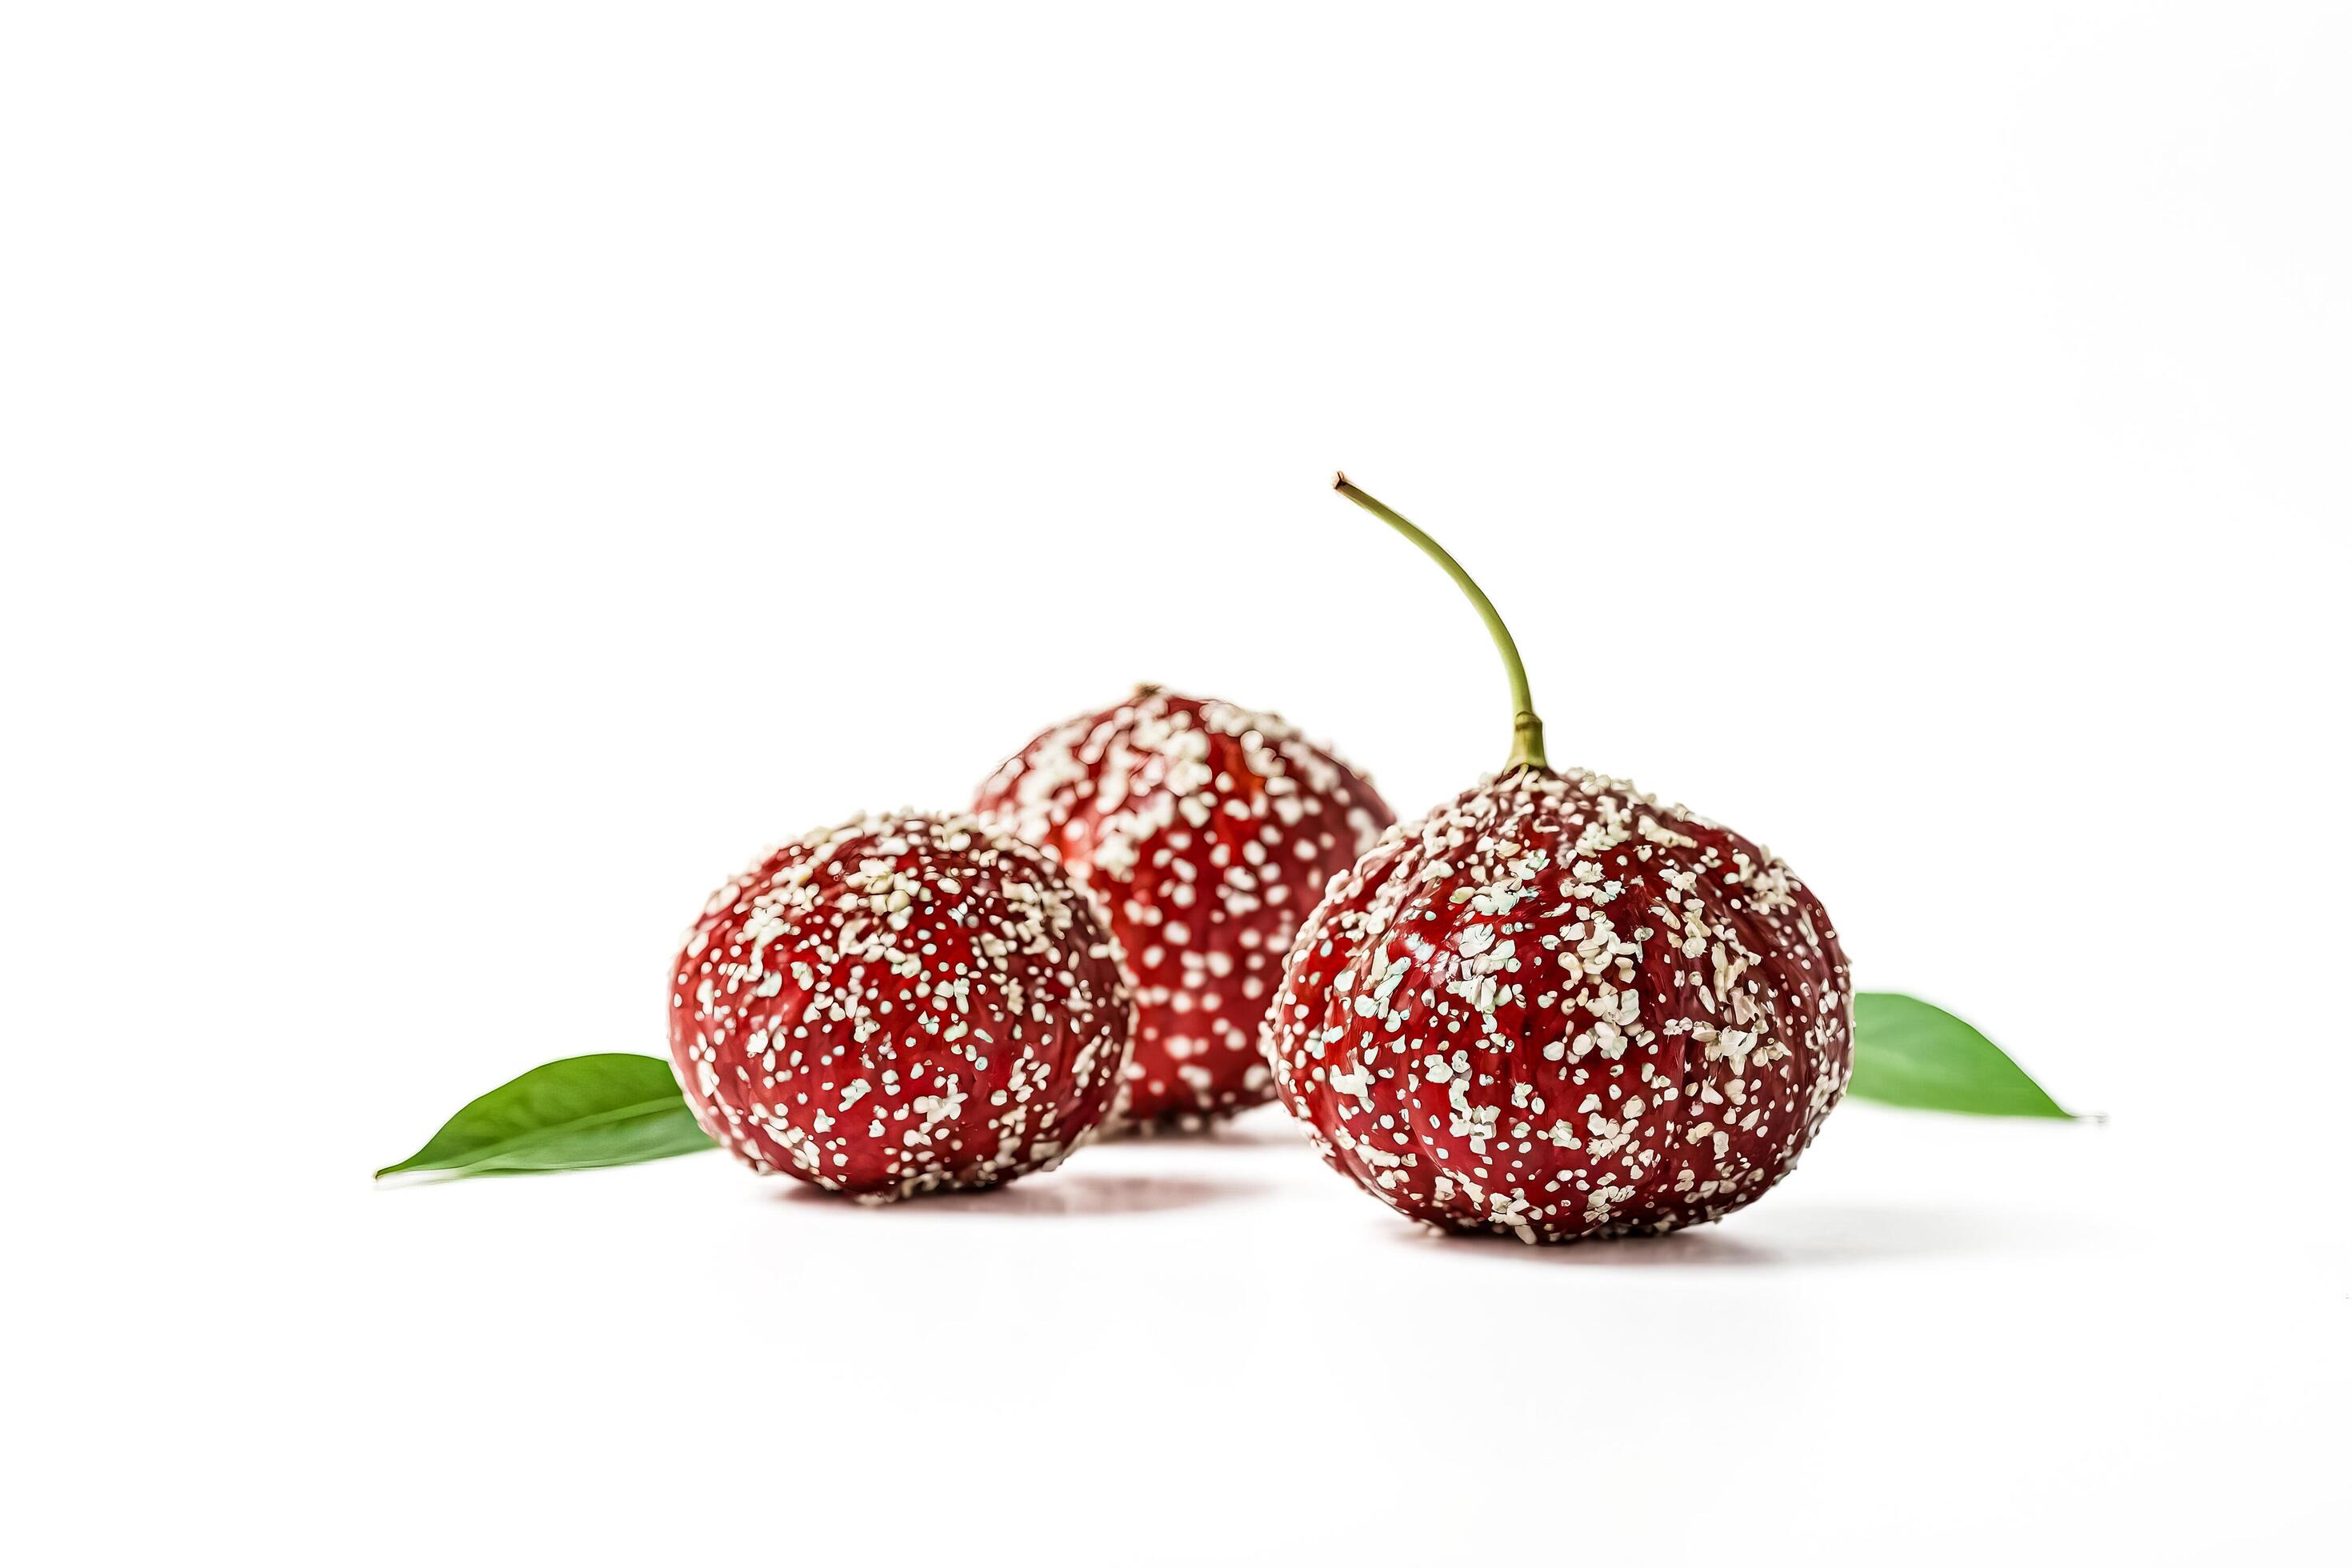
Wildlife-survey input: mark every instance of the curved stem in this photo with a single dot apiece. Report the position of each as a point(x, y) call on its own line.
point(1527, 730)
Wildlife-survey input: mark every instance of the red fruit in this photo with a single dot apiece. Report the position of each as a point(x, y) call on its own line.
point(1206, 832)
point(899, 1004)
point(1559, 1009)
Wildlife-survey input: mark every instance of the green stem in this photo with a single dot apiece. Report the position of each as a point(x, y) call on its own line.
point(1527, 730)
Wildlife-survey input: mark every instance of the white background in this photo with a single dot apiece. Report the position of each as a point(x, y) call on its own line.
point(473, 473)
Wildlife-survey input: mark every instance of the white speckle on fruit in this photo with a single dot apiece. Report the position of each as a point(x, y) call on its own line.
point(944, 978)
point(1485, 961)
point(1203, 832)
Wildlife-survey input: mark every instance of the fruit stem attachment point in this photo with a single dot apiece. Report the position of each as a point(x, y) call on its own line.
point(1527, 730)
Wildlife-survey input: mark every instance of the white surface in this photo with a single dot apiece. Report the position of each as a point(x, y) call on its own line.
point(472, 474)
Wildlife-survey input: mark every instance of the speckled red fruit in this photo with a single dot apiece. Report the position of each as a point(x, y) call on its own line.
point(899, 1004)
point(1559, 1009)
point(1206, 832)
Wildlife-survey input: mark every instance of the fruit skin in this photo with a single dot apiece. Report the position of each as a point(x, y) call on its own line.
point(899, 1004)
point(1559, 1009)
point(1207, 832)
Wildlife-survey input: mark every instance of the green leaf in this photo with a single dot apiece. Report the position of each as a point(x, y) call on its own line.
point(613, 1109)
point(1909, 1052)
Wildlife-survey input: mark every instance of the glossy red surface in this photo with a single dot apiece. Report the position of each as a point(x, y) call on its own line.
point(898, 1004)
point(1207, 832)
point(1559, 1009)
